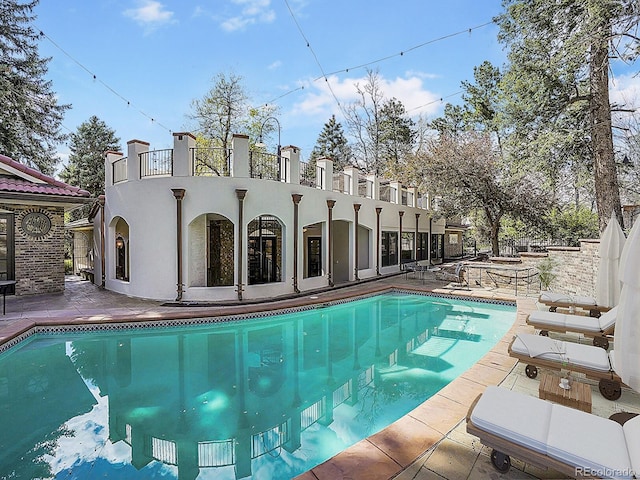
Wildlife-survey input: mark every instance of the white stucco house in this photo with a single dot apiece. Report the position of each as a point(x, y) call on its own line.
point(201, 225)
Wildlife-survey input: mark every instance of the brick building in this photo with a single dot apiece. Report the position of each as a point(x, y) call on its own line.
point(32, 207)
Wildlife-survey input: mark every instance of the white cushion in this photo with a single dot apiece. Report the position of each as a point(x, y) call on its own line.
point(563, 298)
point(608, 319)
point(631, 430)
point(582, 323)
point(553, 297)
point(547, 318)
point(571, 323)
point(584, 440)
point(520, 418)
point(564, 353)
point(588, 356)
point(538, 346)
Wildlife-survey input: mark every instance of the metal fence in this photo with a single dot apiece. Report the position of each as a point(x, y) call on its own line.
point(513, 246)
point(119, 172)
point(308, 174)
point(209, 162)
point(156, 162)
point(264, 165)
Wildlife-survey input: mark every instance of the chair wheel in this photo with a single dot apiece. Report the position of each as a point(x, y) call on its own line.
point(609, 389)
point(531, 371)
point(500, 461)
point(544, 333)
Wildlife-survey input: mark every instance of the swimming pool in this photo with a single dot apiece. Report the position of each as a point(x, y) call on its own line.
point(266, 397)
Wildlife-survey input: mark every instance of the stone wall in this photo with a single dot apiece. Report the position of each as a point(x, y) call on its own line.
point(39, 248)
point(576, 268)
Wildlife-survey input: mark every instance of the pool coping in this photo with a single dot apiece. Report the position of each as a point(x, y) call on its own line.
point(391, 450)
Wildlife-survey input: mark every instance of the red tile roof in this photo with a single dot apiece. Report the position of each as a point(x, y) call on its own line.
point(50, 187)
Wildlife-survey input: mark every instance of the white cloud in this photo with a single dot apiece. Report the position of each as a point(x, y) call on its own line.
point(150, 14)
point(251, 12)
point(624, 91)
point(275, 65)
point(410, 90)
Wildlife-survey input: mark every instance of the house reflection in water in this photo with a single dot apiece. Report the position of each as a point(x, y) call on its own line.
point(226, 395)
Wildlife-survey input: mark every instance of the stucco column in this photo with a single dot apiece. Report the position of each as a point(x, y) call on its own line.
point(240, 194)
point(415, 240)
point(103, 262)
point(356, 209)
point(178, 193)
point(401, 213)
point(296, 197)
point(378, 233)
point(330, 204)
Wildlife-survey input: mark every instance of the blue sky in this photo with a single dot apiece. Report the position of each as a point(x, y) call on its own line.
point(159, 55)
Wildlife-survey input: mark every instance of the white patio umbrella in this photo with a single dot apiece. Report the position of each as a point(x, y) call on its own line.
point(627, 333)
point(608, 285)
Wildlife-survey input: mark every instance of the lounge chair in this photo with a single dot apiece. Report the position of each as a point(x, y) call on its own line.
point(562, 300)
point(595, 362)
point(454, 274)
point(593, 327)
point(540, 433)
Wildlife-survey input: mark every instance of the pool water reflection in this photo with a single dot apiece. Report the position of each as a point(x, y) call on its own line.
point(263, 398)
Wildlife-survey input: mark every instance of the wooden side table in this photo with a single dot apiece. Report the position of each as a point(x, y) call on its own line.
point(578, 396)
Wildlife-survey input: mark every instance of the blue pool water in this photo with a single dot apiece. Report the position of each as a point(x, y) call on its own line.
point(265, 398)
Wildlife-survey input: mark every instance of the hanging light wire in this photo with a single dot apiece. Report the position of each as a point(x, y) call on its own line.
point(104, 84)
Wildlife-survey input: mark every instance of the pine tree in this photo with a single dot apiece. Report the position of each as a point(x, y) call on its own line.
point(30, 117)
point(397, 137)
point(86, 161)
point(332, 144)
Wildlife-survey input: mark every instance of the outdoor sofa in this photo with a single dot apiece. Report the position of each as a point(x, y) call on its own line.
point(594, 362)
point(547, 435)
point(562, 300)
point(597, 328)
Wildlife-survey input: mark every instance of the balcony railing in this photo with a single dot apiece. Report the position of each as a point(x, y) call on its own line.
point(264, 165)
point(342, 183)
point(119, 172)
point(385, 193)
point(216, 453)
point(156, 162)
point(210, 162)
point(308, 174)
point(365, 187)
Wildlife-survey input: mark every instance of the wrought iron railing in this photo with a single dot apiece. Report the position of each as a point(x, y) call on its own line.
point(269, 440)
point(308, 175)
point(365, 187)
point(119, 170)
point(385, 193)
point(264, 165)
point(216, 453)
point(156, 162)
point(209, 162)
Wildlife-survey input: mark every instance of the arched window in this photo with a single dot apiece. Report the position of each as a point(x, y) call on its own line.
point(264, 252)
point(122, 270)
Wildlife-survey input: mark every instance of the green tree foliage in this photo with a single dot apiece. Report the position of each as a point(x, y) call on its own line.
point(397, 137)
point(222, 111)
point(573, 224)
point(225, 110)
point(333, 144)
point(557, 86)
point(88, 145)
point(466, 173)
point(30, 116)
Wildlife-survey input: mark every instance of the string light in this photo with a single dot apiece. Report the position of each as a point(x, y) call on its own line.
point(324, 76)
point(108, 87)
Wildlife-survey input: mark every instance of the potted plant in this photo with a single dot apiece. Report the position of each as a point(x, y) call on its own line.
point(545, 273)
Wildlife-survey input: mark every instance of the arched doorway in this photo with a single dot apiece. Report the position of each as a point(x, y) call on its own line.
point(264, 253)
